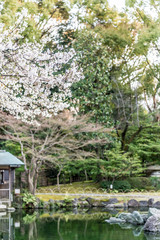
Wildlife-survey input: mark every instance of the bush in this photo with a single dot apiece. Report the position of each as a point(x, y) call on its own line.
point(121, 185)
point(29, 200)
point(105, 184)
point(155, 182)
point(140, 183)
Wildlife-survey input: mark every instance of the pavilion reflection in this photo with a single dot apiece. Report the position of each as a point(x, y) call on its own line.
point(6, 226)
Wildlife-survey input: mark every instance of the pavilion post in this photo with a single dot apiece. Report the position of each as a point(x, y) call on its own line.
point(10, 186)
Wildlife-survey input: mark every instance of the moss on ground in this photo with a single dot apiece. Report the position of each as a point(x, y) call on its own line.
point(91, 187)
point(76, 187)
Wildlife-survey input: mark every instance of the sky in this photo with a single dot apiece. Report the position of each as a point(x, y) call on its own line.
point(118, 3)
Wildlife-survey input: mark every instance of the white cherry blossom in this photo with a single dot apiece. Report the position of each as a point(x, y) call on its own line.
point(33, 81)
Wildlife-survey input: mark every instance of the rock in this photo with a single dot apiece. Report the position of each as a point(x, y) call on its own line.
point(94, 202)
point(82, 202)
point(145, 217)
point(150, 202)
point(51, 201)
point(75, 210)
point(143, 203)
point(112, 200)
point(137, 231)
point(138, 218)
point(126, 225)
point(114, 220)
point(153, 224)
point(134, 218)
point(75, 202)
point(110, 206)
point(153, 212)
point(133, 203)
point(128, 217)
point(125, 205)
point(119, 205)
point(90, 201)
point(156, 204)
point(151, 221)
point(98, 203)
point(109, 201)
point(151, 236)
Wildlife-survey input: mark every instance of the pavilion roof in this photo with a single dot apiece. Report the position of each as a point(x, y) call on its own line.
point(7, 159)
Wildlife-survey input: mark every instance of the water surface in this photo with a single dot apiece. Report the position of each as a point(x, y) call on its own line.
point(83, 225)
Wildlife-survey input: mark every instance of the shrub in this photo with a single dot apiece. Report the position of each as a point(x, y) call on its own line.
point(29, 200)
point(105, 184)
point(120, 185)
point(155, 182)
point(140, 182)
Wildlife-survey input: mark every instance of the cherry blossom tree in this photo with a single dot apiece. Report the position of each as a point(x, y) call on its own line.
point(54, 142)
point(35, 76)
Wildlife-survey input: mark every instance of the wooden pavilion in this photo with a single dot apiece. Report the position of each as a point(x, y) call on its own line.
point(8, 164)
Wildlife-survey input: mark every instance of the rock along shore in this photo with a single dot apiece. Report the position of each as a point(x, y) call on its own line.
point(88, 202)
point(150, 221)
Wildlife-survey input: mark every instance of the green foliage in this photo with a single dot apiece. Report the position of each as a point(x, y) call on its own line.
point(94, 91)
point(113, 53)
point(120, 185)
point(121, 164)
point(87, 169)
point(100, 47)
point(147, 145)
point(140, 183)
point(43, 10)
point(66, 203)
point(30, 218)
point(155, 182)
point(29, 200)
point(12, 147)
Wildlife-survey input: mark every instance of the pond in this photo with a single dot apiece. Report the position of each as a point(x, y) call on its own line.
point(73, 225)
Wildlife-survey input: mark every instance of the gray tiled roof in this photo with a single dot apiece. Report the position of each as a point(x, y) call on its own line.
point(7, 159)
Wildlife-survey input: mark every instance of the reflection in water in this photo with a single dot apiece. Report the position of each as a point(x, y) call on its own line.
point(6, 226)
point(84, 225)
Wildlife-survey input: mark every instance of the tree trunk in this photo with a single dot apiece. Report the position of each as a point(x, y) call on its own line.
point(30, 182)
point(35, 182)
point(86, 175)
point(58, 175)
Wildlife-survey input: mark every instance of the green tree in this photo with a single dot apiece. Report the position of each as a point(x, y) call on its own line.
point(147, 145)
point(94, 91)
point(121, 164)
point(102, 45)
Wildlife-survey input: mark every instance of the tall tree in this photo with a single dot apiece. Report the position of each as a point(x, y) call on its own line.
point(147, 44)
point(101, 44)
